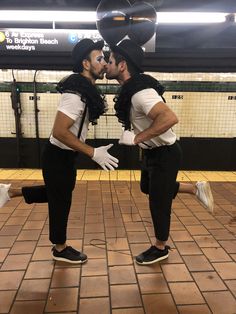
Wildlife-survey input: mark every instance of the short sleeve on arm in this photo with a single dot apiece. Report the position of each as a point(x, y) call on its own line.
point(145, 99)
point(71, 105)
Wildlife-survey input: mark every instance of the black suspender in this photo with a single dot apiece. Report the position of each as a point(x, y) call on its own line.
point(82, 121)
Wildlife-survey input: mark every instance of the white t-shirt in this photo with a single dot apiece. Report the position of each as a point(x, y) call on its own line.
point(142, 102)
point(72, 106)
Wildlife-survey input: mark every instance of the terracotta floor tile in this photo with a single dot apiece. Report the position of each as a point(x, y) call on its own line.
point(44, 241)
point(206, 241)
point(41, 269)
point(33, 290)
point(7, 298)
point(34, 225)
point(152, 283)
point(7, 241)
point(176, 272)
point(98, 251)
point(188, 248)
point(176, 225)
point(125, 296)
point(201, 261)
point(94, 305)
point(229, 246)
point(197, 230)
point(28, 235)
point(16, 262)
point(16, 221)
point(122, 275)
point(96, 286)
point(10, 280)
point(10, 230)
point(216, 254)
point(117, 244)
point(220, 302)
point(93, 218)
point(212, 224)
point(232, 286)
point(4, 216)
point(21, 213)
point(147, 269)
point(115, 232)
point(113, 222)
point(128, 311)
point(3, 254)
point(189, 221)
point(204, 216)
point(36, 307)
point(181, 236)
point(222, 234)
point(209, 281)
point(66, 277)
point(159, 303)
point(42, 253)
point(119, 258)
point(23, 247)
point(137, 237)
point(226, 270)
point(95, 227)
point(38, 216)
point(134, 226)
point(174, 257)
point(197, 263)
point(62, 299)
point(194, 309)
point(94, 267)
point(137, 248)
point(186, 293)
point(94, 237)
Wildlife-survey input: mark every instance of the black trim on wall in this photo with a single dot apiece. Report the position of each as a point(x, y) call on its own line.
point(163, 60)
point(198, 154)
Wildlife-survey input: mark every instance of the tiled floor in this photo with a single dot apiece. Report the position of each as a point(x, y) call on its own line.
point(110, 220)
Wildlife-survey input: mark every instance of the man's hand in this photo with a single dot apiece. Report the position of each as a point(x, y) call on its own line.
point(104, 159)
point(127, 138)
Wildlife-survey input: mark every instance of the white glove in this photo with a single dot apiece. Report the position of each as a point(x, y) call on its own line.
point(127, 138)
point(104, 159)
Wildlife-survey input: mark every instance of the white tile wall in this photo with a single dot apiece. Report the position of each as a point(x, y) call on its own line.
point(201, 114)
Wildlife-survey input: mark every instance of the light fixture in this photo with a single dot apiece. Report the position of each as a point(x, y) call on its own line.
point(47, 16)
point(190, 17)
point(90, 16)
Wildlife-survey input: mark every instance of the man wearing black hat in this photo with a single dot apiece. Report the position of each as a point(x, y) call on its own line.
point(80, 104)
point(141, 107)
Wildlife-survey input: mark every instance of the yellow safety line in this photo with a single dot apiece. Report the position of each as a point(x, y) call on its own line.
point(119, 175)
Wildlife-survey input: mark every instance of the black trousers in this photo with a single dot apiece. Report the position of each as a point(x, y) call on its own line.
point(158, 179)
point(59, 175)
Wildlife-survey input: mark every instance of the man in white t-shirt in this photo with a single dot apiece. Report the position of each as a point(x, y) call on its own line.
point(148, 122)
point(80, 104)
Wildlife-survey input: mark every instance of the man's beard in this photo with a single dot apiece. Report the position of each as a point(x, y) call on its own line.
point(97, 76)
point(111, 77)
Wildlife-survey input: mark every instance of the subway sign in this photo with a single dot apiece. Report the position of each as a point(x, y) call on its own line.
point(30, 41)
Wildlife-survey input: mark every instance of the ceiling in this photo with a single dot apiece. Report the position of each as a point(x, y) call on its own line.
point(183, 47)
point(160, 5)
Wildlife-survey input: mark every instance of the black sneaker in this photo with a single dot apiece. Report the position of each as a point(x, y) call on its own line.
point(69, 255)
point(152, 255)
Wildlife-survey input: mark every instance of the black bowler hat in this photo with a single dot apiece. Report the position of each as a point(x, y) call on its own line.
point(131, 51)
point(82, 49)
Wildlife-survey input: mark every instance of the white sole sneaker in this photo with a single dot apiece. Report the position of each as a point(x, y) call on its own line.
point(4, 197)
point(204, 195)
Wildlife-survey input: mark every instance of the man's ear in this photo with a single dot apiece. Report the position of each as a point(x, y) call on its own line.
point(86, 64)
point(123, 65)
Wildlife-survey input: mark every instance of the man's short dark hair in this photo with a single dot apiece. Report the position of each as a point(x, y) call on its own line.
point(80, 65)
point(131, 68)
